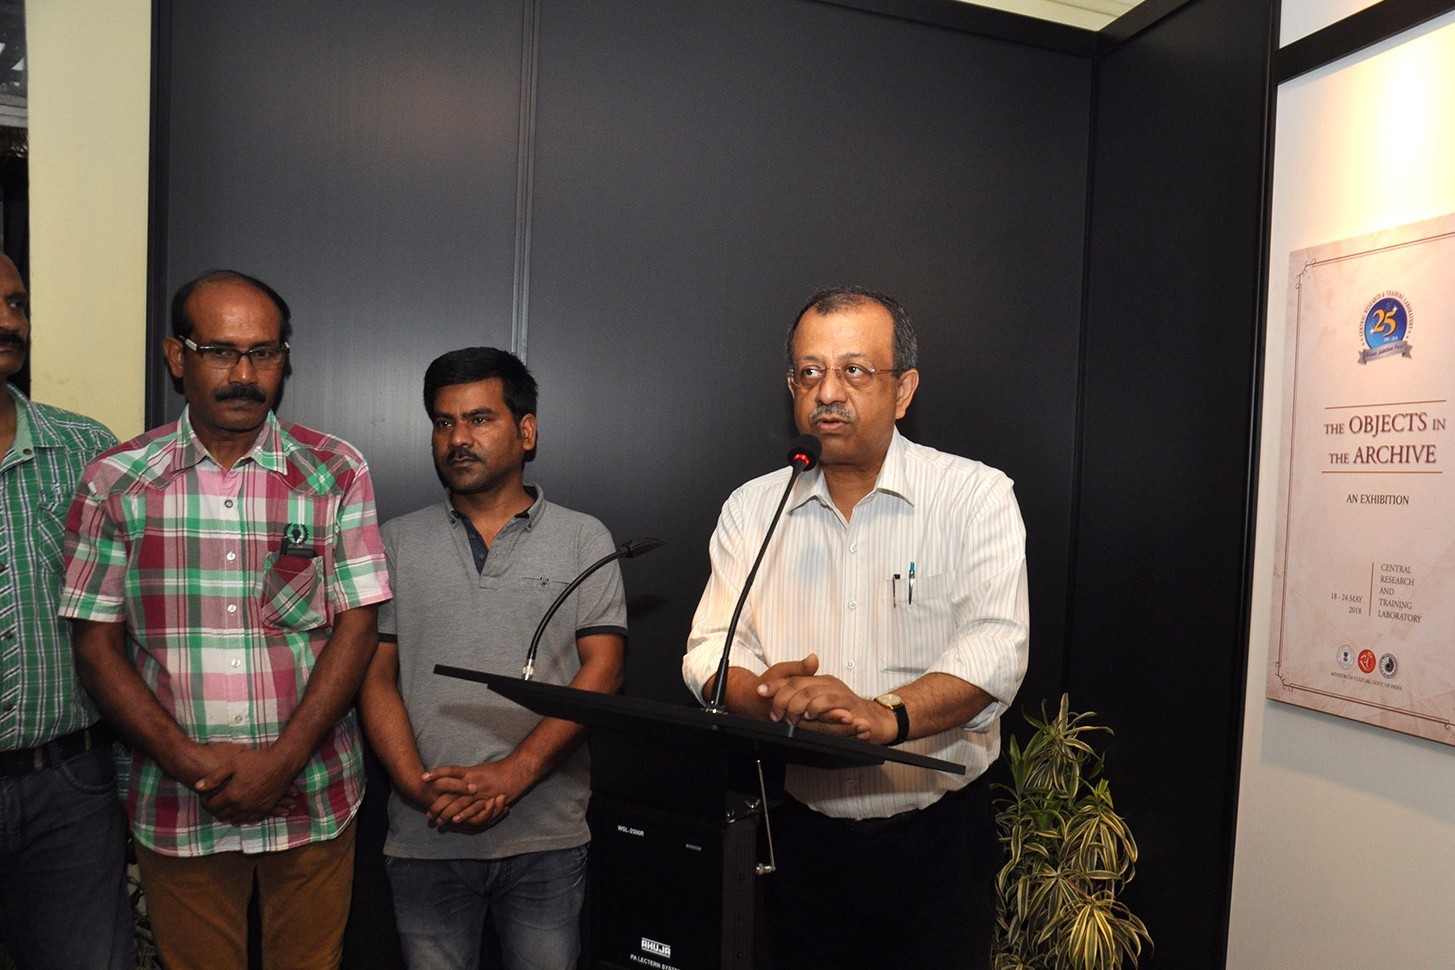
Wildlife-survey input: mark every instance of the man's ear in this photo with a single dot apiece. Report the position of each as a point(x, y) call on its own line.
point(528, 431)
point(173, 349)
point(904, 388)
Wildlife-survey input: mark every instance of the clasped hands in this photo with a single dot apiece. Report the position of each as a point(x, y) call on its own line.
point(467, 798)
point(795, 692)
point(242, 785)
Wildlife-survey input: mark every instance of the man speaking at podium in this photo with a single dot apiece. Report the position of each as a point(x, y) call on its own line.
point(890, 606)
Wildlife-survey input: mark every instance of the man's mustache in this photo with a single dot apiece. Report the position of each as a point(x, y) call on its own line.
point(12, 338)
point(240, 392)
point(830, 410)
point(460, 451)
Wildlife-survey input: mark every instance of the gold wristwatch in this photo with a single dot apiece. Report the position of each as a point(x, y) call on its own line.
point(896, 704)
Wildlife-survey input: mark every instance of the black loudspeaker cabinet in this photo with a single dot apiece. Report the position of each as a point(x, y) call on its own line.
point(674, 853)
point(671, 891)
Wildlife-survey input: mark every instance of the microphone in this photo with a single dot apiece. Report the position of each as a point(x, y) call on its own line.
point(803, 454)
point(627, 550)
point(805, 451)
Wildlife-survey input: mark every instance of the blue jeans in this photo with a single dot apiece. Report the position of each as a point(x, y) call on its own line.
point(63, 901)
point(534, 900)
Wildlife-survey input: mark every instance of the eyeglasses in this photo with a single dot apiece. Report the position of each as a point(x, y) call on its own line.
point(806, 377)
point(225, 358)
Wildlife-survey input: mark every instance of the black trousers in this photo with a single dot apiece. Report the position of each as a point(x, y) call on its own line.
point(913, 890)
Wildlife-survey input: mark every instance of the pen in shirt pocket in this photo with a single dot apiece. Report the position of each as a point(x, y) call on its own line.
point(911, 584)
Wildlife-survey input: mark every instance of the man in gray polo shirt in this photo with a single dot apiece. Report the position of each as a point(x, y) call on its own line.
point(488, 813)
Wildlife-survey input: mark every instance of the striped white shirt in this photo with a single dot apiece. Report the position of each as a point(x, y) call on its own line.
point(828, 586)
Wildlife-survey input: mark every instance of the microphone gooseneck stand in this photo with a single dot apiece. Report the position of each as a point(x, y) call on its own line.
point(803, 454)
point(627, 550)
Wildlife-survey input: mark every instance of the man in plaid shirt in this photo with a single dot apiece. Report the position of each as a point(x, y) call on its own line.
point(223, 571)
point(62, 833)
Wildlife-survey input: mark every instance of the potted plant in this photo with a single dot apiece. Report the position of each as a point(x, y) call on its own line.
point(1069, 855)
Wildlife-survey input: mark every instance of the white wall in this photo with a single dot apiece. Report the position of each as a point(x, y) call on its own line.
point(1346, 833)
point(90, 110)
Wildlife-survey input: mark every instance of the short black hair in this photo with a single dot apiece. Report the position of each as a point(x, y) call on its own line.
point(183, 325)
point(470, 364)
point(832, 299)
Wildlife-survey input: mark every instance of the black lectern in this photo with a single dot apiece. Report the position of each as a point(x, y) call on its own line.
point(679, 799)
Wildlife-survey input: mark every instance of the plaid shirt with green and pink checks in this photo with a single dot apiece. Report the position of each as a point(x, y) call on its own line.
point(228, 582)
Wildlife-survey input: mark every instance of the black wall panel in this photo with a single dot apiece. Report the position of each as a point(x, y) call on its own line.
point(1157, 638)
point(698, 174)
point(361, 158)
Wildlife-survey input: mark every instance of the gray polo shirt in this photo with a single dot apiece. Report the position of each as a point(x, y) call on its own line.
point(444, 611)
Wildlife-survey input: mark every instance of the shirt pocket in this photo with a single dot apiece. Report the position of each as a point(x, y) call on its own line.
point(293, 597)
point(920, 628)
point(532, 596)
point(49, 528)
point(538, 592)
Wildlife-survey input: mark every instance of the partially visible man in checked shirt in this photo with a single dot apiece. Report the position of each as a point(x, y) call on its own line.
point(223, 571)
point(62, 833)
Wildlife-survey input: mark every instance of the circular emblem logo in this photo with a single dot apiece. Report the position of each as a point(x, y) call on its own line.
point(1386, 320)
point(1366, 661)
point(1388, 666)
point(296, 533)
point(1345, 656)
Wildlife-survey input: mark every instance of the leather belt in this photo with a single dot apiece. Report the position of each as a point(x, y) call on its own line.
point(28, 761)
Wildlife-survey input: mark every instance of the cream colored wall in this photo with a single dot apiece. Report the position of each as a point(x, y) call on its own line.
point(1345, 832)
point(90, 111)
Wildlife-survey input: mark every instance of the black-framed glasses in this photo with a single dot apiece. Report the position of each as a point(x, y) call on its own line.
point(806, 377)
point(225, 358)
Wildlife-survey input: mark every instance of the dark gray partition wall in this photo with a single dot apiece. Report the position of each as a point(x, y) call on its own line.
point(638, 195)
point(361, 158)
point(1174, 305)
point(701, 167)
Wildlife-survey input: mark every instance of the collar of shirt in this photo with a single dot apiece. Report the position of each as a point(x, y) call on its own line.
point(267, 450)
point(185, 450)
point(478, 549)
point(531, 515)
point(41, 430)
point(30, 432)
point(893, 479)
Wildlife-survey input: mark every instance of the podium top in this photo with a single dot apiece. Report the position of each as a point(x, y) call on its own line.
point(693, 726)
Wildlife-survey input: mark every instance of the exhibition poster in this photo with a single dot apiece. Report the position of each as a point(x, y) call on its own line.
point(1364, 568)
